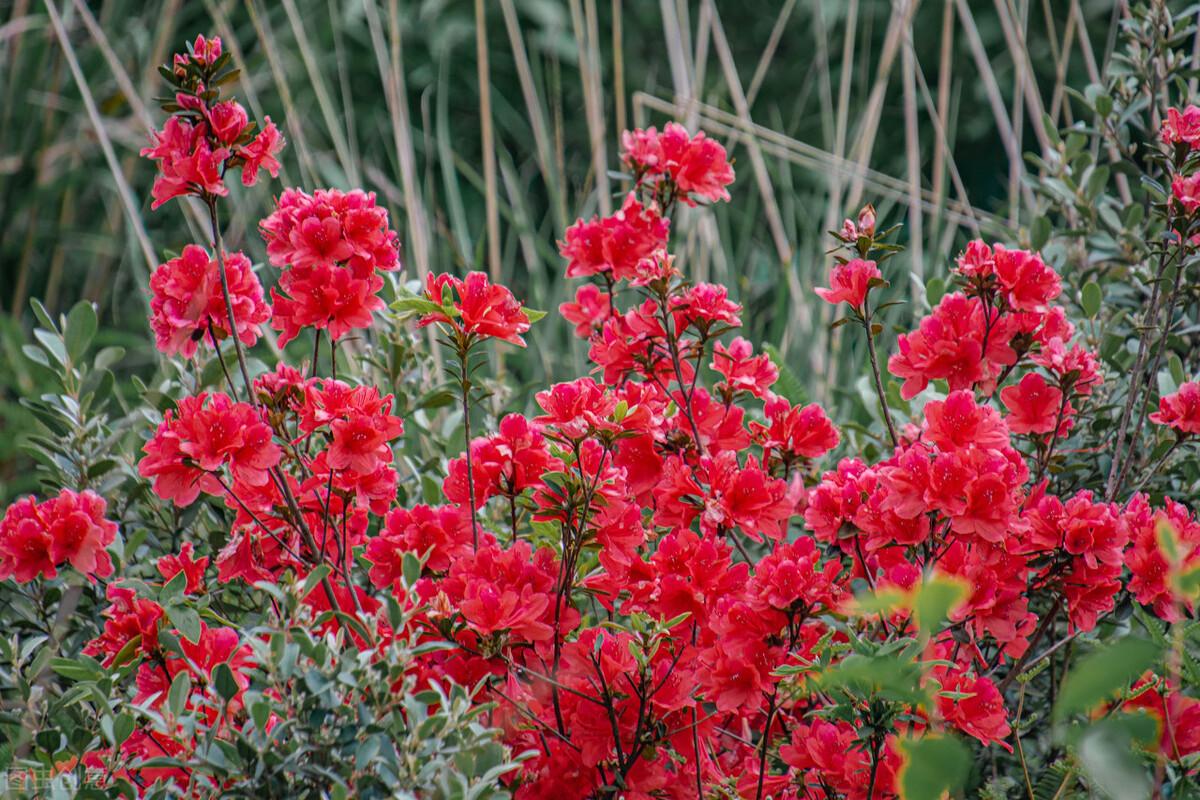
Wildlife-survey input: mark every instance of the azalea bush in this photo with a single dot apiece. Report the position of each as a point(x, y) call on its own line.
point(322, 556)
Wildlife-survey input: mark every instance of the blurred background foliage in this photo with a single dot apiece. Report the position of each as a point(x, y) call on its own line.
point(922, 107)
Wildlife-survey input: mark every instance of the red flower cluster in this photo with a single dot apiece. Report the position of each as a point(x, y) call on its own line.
point(1182, 127)
point(480, 309)
point(850, 282)
point(188, 305)
point(1180, 410)
point(616, 245)
point(204, 434)
point(653, 581)
point(205, 138)
point(331, 246)
point(37, 538)
point(1003, 315)
point(692, 166)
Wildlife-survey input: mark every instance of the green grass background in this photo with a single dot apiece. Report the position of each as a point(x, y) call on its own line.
point(823, 104)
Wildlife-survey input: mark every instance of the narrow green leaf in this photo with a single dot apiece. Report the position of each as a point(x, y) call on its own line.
point(933, 767)
point(1103, 673)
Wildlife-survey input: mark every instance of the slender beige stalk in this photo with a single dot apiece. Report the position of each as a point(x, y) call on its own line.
point(110, 156)
point(945, 64)
point(324, 99)
point(961, 213)
point(537, 116)
point(132, 94)
point(676, 58)
point(699, 61)
point(1014, 36)
point(1016, 113)
point(1089, 61)
point(487, 138)
point(594, 114)
point(280, 75)
point(834, 207)
point(783, 248)
point(391, 72)
point(898, 23)
point(1062, 59)
point(768, 56)
point(912, 152)
point(618, 48)
point(992, 89)
point(821, 63)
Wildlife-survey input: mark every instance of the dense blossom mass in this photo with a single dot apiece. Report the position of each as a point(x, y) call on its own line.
point(661, 580)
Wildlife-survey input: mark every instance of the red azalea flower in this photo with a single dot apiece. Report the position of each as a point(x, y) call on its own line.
point(805, 432)
point(949, 345)
point(959, 421)
point(742, 370)
point(36, 538)
point(331, 245)
point(485, 309)
point(226, 121)
point(186, 562)
point(1182, 127)
point(188, 299)
point(704, 305)
point(261, 153)
point(1181, 410)
point(850, 283)
point(204, 434)
point(1150, 569)
point(697, 164)
point(977, 261)
point(360, 442)
point(980, 713)
point(615, 244)
point(127, 617)
point(187, 162)
point(1187, 192)
point(1033, 405)
point(590, 310)
point(1028, 283)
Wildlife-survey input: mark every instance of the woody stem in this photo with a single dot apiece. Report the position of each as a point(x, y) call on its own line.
point(883, 403)
point(219, 246)
point(465, 384)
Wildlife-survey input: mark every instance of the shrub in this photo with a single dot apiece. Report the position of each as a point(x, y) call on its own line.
point(660, 584)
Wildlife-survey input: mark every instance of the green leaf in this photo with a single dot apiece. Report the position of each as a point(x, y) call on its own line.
point(1106, 751)
point(79, 330)
point(935, 599)
point(933, 766)
point(75, 669)
point(1091, 298)
point(1188, 582)
point(122, 728)
point(186, 620)
point(1103, 673)
point(53, 345)
point(1039, 233)
point(172, 592)
point(935, 290)
point(224, 681)
point(533, 314)
point(319, 573)
point(884, 677)
point(177, 697)
point(43, 316)
point(411, 566)
point(416, 305)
